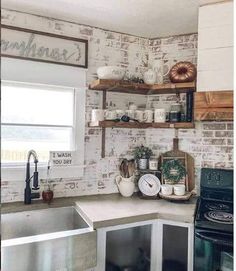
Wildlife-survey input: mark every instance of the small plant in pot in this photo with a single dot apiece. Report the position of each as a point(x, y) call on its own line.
point(142, 155)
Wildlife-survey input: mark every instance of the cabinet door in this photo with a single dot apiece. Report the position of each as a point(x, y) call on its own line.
point(176, 247)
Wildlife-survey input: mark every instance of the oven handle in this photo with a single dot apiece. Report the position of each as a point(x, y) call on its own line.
point(220, 241)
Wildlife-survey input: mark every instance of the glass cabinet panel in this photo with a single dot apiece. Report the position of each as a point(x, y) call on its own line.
point(175, 248)
point(128, 249)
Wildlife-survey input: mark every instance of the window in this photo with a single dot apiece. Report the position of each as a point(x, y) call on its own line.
point(38, 117)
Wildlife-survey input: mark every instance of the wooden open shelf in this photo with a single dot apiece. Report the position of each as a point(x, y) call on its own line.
point(131, 125)
point(123, 86)
point(142, 89)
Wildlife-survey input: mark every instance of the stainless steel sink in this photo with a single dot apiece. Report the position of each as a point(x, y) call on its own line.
point(52, 239)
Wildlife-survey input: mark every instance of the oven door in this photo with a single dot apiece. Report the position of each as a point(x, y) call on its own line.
point(213, 251)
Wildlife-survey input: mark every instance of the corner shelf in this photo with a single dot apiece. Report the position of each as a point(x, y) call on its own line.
point(131, 125)
point(123, 86)
point(141, 89)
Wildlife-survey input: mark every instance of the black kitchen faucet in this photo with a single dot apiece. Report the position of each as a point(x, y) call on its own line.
point(28, 193)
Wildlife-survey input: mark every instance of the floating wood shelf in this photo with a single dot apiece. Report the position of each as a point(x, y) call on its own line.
point(131, 125)
point(122, 86)
point(142, 89)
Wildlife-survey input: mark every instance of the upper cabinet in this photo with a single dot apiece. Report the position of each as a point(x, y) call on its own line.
point(215, 46)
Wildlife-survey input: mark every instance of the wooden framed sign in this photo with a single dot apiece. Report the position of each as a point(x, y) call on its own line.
point(44, 47)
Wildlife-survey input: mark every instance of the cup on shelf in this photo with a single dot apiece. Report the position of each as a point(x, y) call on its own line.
point(167, 189)
point(160, 115)
point(96, 116)
point(139, 115)
point(110, 114)
point(148, 116)
point(120, 113)
point(179, 189)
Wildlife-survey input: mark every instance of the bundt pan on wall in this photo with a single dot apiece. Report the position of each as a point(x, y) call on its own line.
point(182, 72)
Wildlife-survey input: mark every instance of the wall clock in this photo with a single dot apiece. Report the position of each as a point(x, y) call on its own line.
point(149, 185)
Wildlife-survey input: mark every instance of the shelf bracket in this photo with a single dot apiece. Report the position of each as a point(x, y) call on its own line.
point(104, 98)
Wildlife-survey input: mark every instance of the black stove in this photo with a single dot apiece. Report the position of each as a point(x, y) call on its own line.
point(214, 221)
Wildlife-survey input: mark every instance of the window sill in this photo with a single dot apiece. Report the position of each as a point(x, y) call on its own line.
point(17, 173)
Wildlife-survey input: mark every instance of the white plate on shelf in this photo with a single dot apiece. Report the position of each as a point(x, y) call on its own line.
point(149, 185)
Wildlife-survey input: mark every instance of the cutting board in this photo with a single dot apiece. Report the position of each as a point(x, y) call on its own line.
point(185, 158)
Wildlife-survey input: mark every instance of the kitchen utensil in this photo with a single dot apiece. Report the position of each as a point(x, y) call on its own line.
point(110, 72)
point(167, 189)
point(120, 113)
point(175, 112)
point(153, 164)
point(110, 114)
point(149, 185)
point(131, 167)
point(179, 189)
point(125, 185)
point(148, 116)
point(139, 115)
point(173, 197)
point(149, 77)
point(160, 115)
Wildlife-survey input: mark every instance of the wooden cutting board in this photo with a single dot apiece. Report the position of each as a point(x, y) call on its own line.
point(187, 160)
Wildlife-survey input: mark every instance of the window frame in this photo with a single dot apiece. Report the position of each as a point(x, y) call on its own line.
point(78, 127)
point(44, 87)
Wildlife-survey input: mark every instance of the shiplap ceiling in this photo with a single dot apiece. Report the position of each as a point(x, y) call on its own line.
point(146, 18)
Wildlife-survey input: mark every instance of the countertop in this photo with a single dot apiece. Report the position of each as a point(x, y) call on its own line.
point(113, 209)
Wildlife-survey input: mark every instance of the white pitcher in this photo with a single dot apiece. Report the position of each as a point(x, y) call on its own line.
point(125, 185)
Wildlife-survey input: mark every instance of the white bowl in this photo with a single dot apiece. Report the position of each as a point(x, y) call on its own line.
point(166, 189)
point(111, 72)
point(179, 189)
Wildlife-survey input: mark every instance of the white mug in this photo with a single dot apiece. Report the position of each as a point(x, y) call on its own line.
point(160, 115)
point(119, 113)
point(97, 115)
point(130, 113)
point(110, 114)
point(179, 189)
point(139, 115)
point(153, 164)
point(148, 116)
point(166, 189)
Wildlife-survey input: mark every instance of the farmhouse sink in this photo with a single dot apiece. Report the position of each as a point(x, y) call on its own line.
point(55, 239)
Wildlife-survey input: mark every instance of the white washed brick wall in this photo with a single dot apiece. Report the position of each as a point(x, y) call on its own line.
point(210, 143)
point(105, 48)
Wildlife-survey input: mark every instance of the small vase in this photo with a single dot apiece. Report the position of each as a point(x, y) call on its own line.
point(143, 163)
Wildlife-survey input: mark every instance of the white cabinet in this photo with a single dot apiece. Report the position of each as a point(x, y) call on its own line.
point(175, 242)
point(215, 47)
point(155, 245)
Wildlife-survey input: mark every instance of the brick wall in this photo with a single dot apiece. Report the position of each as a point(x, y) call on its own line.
point(210, 143)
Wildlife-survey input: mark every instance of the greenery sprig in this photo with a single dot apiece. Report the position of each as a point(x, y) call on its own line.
point(173, 170)
point(142, 152)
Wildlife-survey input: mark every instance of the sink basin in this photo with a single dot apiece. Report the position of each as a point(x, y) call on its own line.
point(30, 223)
point(52, 239)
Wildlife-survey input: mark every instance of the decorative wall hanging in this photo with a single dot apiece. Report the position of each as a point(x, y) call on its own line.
point(183, 72)
point(40, 46)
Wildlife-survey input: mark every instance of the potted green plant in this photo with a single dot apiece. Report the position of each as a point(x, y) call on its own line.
point(142, 155)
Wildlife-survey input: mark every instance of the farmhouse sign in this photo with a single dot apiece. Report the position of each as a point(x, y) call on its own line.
point(44, 47)
point(62, 158)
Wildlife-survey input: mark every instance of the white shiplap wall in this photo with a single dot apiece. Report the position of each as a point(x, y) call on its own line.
point(215, 47)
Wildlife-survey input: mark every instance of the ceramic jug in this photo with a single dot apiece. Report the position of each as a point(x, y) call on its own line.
point(125, 185)
point(149, 77)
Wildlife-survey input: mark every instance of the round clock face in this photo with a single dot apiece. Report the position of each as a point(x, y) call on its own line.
point(149, 185)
